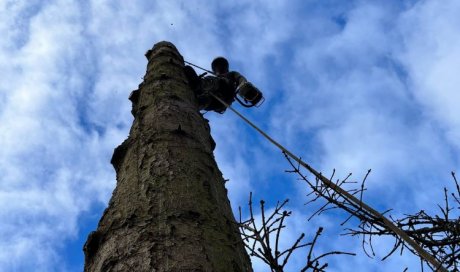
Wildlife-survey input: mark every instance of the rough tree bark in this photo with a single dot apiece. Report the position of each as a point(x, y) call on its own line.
point(169, 211)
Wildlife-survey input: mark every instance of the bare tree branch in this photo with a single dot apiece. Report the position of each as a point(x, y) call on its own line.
point(256, 237)
point(438, 235)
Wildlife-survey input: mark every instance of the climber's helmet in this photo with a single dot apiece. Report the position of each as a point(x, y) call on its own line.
point(220, 65)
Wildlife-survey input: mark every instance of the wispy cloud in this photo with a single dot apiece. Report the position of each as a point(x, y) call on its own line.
point(53, 166)
point(431, 56)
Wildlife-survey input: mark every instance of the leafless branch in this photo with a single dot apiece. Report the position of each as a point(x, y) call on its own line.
point(439, 234)
point(256, 237)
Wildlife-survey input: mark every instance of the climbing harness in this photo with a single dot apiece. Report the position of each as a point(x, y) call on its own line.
point(346, 195)
point(249, 95)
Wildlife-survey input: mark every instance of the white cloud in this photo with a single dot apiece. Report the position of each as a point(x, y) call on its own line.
point(348, 92)
point(48, 162)
point(431, 53)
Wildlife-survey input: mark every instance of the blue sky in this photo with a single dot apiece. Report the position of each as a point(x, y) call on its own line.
point(350, 85)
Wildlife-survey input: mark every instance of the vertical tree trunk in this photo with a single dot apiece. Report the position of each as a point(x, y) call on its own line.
point(169, 211)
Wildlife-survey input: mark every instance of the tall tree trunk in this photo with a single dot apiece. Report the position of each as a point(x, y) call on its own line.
point(169, 211)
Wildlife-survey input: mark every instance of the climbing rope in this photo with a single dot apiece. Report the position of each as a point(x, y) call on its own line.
point(194, 65)
point(346, 195)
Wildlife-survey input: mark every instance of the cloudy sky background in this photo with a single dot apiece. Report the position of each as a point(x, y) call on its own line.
point(350, 85)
